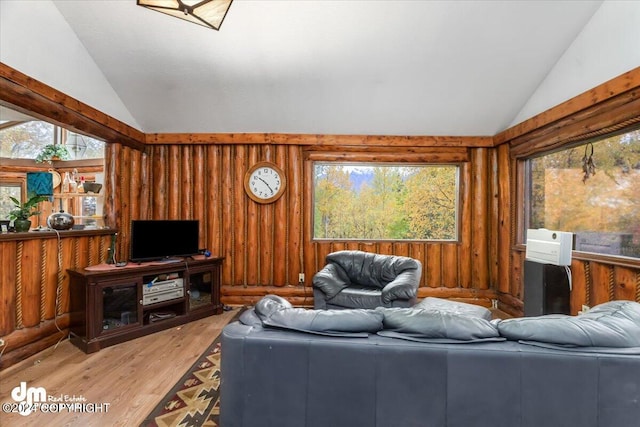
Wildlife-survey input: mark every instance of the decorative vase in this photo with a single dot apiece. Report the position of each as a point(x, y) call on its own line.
point(60, 221)
point(21, 225)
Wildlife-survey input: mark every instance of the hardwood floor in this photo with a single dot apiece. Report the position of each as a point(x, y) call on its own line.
point(131, 377)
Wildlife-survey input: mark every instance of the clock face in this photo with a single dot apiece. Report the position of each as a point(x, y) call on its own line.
point(264, 182)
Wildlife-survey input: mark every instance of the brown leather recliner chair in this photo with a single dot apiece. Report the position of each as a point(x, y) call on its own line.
point(357, 279)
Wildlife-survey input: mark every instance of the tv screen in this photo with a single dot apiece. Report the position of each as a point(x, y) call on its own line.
point(160, 239)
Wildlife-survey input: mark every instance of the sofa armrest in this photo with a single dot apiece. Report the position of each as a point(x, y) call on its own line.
point(404, 286)
point(331, 280)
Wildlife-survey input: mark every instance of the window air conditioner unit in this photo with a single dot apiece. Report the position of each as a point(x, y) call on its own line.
point(549, 247)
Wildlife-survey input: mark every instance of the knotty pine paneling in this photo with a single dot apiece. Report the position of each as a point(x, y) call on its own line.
point(267, 237)
point(626, 285)
point(266, 246)
point(34, 291)
point(465, 228)
point(479, 238)
point(261, 243)
point(8, 257)
point(503, 193)
point(581, 284)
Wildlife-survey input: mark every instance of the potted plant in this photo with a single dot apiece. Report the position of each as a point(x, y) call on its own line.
point(20, 215)
point(53, 152)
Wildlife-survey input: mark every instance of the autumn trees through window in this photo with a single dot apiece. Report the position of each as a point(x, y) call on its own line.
point(385, 202)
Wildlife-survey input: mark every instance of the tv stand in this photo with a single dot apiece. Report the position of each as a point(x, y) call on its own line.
point(111, 305)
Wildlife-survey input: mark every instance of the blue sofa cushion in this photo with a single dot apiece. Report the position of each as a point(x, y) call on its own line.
point(454, 307)
point(277, 312)
point(437, 324)
point(611, 324)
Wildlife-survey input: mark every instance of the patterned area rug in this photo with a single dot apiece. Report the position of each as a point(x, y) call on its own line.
point(195, 399)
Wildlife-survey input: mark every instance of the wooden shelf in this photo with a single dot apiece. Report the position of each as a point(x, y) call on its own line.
point(49, 234)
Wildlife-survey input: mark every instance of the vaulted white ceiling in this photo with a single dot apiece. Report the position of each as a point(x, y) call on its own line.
point(330, 67)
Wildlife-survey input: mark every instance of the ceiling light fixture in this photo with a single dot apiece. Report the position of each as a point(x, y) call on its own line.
point(208, 13)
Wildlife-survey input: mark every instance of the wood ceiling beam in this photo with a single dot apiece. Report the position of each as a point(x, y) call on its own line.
point(29, 96)
point(610, 89)
point(319, 140)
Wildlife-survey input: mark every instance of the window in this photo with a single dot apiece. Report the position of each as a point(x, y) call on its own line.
point(24, 140)
point(592, 190)
point(385, 202)
point(9, 189)
point(21, 141)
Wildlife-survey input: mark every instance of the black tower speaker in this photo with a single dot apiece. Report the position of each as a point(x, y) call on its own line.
point(546, 289)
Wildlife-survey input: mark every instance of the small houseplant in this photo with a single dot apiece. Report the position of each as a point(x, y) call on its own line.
point(20, 215)
point(53, 152)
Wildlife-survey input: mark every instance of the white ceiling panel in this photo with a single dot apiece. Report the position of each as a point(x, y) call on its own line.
point(330, 67)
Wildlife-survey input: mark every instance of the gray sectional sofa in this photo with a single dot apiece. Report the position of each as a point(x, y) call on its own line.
point(436, 364)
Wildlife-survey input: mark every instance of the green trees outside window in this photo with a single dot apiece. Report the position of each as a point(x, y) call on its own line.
point(385, 202)
point(25, 140)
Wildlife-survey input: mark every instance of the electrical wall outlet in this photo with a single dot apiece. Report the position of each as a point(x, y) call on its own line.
point(301, 278)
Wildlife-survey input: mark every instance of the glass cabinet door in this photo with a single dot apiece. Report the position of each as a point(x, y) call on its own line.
point(118, 307)
point(200, 289)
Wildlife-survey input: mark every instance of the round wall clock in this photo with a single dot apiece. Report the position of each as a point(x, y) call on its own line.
point(264, 182)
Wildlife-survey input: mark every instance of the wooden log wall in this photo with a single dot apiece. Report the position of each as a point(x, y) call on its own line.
point(34, 296)
point(265, 247)
point(610, 107)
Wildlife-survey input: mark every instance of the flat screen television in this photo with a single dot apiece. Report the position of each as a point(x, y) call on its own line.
point(163, 239)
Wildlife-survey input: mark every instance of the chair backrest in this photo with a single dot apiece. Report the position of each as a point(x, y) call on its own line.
point(370, 269)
